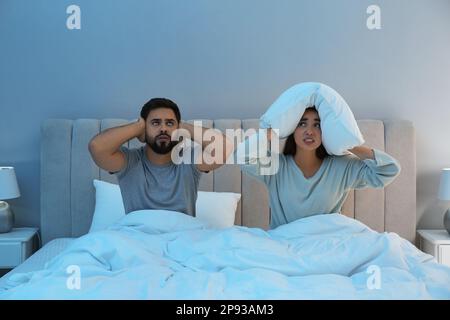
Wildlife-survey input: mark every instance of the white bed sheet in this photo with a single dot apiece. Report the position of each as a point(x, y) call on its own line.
point(170, 255)
point(38, 260)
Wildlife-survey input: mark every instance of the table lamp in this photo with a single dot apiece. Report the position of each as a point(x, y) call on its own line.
point(8, 190)
point(444, 194)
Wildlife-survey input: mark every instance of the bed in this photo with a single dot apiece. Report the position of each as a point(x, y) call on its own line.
point(68, 199)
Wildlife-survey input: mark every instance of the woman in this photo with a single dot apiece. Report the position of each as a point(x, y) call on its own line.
point(309, 181)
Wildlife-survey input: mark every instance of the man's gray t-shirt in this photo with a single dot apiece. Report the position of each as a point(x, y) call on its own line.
point(145, 185)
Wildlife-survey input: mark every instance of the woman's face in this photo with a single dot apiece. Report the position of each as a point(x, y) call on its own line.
point(308, 135)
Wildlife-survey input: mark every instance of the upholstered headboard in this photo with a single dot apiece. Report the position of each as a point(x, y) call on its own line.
point(67, 172)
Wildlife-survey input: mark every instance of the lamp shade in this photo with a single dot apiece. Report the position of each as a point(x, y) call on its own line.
point(444, 187)
point(9, 188)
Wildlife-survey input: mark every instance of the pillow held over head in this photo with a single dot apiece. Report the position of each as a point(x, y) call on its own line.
point(340, 131)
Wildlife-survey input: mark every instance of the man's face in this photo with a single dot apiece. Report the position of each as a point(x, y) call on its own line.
point(160, 124)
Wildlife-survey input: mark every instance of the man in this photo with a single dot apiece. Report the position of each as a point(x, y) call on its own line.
point(148, 177)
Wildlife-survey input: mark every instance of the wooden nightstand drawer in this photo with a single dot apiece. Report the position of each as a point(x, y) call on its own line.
point(444, 254)
point(10, 254)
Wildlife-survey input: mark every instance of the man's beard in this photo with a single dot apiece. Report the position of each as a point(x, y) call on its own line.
point(163, 147)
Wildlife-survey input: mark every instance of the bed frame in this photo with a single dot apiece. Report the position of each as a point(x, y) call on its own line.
point(68, 195)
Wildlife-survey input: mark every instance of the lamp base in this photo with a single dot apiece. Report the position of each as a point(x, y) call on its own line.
point(6, 217)
point(447, 220)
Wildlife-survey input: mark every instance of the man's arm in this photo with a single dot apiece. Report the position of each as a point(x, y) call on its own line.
point(218, 143)
point(104, 147)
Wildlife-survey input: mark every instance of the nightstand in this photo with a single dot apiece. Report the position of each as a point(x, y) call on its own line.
point(16, 246)
point(436, 243)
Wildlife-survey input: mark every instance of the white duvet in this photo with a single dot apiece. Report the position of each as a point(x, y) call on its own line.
point(152, 254)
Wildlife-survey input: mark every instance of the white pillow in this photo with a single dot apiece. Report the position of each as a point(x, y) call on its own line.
point(218, 209)
point(108, 205)
point(340, 131)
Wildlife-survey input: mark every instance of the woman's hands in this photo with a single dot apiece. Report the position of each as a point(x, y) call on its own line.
point(363, 152)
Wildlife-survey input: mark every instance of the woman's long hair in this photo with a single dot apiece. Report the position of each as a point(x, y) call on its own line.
point(290, 148)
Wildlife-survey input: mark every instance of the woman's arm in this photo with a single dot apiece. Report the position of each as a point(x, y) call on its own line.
point(374, 168)
point(363, 152)
point(255, 157)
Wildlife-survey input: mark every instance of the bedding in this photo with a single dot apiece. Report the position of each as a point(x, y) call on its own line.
point(218, 209)
point(38, 260)
point(109, 206)
point(170, 255)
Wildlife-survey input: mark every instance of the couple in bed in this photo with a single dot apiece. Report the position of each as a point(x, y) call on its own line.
point(308, 180)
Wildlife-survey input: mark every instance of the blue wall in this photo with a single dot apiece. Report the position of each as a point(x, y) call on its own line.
point(220, 59)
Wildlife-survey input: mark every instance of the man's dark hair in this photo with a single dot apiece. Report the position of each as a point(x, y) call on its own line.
point(157, 103)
